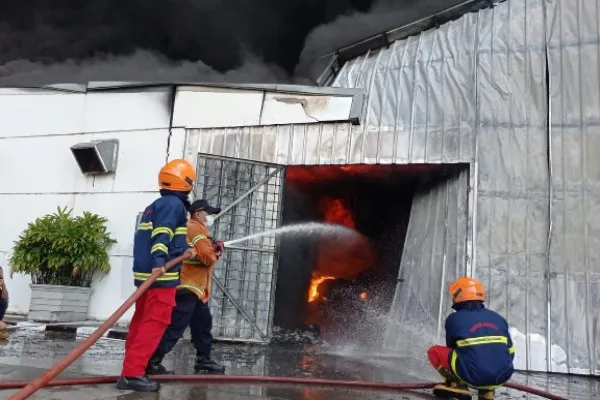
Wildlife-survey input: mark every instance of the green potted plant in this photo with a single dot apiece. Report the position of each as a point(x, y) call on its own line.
point(61, 253)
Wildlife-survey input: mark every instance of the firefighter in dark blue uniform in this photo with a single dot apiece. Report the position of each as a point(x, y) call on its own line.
point(479, 352)
point(160, 237)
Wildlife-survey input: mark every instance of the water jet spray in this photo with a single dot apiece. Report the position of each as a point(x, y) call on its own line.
point(310, 229)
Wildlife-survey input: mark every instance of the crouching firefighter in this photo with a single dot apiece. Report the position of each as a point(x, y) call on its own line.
point(479, 351)
point(160, 237)
point(193, 294)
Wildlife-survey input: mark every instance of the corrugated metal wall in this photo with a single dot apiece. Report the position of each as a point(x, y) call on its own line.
point(336, 143)
point(433, 256)
point(420, 96)
point(309, 144)
point(479, 84)
point(512, 189)
point(574, 65)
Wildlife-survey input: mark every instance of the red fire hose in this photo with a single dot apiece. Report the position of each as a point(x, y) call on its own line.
point(29, 388)
point(60, 366)
point(260, 380)
point(247, 379)
point(537, 392)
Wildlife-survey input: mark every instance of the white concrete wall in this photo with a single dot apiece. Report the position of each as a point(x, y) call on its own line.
point(39, 172)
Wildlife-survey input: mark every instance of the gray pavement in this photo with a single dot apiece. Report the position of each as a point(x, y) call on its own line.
point(26, 354)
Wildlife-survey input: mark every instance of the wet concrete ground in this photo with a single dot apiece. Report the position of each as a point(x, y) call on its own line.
point(27, 354)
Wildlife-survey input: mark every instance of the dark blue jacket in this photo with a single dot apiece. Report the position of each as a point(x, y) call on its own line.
point(483, 349)
point(160, 237)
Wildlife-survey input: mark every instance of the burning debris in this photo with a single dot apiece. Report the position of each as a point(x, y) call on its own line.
point(313, 292)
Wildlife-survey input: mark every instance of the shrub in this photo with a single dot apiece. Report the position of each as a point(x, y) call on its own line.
point(59, 249)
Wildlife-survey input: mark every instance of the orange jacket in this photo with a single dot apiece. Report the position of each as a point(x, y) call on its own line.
point(196, 274)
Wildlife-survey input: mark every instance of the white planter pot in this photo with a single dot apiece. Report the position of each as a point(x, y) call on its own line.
point(52, 303)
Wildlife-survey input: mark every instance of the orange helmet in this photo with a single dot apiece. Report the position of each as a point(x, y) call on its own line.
point(177, 175)
point(466, 289)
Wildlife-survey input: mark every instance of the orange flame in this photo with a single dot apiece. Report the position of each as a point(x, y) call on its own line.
point(335, 259)
point(335, 211)
point(313, 292)
point(363, 296)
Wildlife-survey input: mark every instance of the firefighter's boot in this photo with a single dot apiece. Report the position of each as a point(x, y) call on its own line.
point(137, 384)
point(155, 366)
point(3, 331)
point(486, 395)
point(446, 375)
point(452, 388)
point(454, 391)
point(206, 365)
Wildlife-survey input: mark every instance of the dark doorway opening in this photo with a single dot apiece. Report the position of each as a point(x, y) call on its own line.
point(342, 290)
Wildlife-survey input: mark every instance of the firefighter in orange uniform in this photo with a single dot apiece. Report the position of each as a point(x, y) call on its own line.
point(192, 296)
point(479, 351)
point(160, 237)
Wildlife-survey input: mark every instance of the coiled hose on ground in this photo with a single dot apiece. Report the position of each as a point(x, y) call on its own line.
point(46, 379)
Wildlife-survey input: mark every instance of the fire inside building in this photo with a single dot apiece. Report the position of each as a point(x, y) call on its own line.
point(326, 284)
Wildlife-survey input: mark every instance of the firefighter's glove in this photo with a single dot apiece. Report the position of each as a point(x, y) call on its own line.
point(219, 246)
point(191, 252)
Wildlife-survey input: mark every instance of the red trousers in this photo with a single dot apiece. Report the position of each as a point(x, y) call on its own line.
point(439, 357)
point(150, 320)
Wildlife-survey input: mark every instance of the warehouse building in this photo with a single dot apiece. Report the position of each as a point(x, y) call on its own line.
point(464, 149)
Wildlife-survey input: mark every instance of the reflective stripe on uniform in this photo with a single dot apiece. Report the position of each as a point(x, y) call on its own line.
point(475, 342)
point(196, 239)
point(481, 340)
point(182, 230)
point(169, 276)
point(159, 247)
point(144, 226)
point(194, 261)
point(198, 291)
point(148, 274)
point(162, 229)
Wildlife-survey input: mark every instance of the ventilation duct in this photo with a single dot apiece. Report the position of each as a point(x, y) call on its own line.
point(98, 157)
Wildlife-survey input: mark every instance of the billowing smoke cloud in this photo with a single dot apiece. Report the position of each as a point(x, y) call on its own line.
point(141, 66)
point(45, 42)
point(350, 28)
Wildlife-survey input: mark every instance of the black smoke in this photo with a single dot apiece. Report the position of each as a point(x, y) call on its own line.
point(162, 39)
point(50, 41)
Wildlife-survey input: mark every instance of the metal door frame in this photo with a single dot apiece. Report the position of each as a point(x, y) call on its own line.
point(277, 169)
